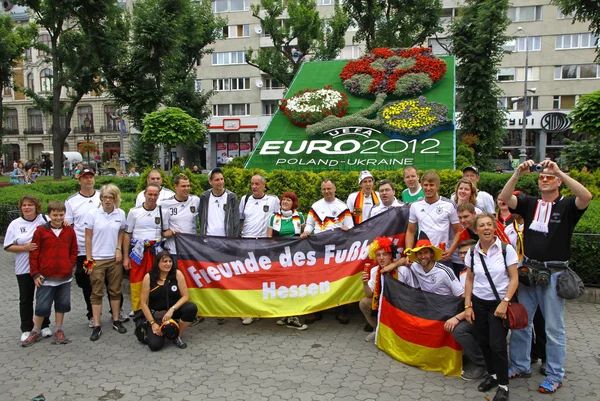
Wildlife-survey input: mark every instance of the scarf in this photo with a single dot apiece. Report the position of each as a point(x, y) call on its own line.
point(520, 247)
point(285, 215)
point(357, 214)
point(541, 217)
point(377, 290)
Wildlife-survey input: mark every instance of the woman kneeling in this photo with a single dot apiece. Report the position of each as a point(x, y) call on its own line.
point(164, 299)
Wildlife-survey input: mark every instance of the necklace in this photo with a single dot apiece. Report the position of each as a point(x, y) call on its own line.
point(162, 279)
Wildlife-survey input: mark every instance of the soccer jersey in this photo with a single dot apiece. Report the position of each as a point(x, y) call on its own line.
point(380, 208)
point(255, 213)
point(409, 197)
point(20, 232)
point(181, 216)
point(361, 210)
point(434, 219)
point(144, 224)
point(105, 231)
point(77, 207)
point(439, 280)
point(286, 226)
point(217, 206)
point(165, 193)
point(324, 216)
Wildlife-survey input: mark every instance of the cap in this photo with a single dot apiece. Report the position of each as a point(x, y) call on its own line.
point(364, 174)
point(472, 168)
point(213, 171)
point(87, 171)
point(170, 329)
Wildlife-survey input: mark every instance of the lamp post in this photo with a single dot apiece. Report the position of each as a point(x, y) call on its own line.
point(523, 151)
point(87, 123)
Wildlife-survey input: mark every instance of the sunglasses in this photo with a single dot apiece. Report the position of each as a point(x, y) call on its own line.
point(544, 177)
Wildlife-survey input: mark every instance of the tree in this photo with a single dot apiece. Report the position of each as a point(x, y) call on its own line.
point(477, 39)
point(172, 126)
point(394, 23)
point(583, 11)
point(14, 40)
point(586, 121)
point(303, 33)
point(77, 29)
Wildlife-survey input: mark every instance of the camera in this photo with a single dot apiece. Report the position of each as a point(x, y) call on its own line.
point(536, 168)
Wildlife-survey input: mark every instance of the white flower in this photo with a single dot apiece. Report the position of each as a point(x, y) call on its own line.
point(314, 102)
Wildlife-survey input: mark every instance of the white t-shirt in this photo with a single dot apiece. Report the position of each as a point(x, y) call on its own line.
point(165, 193)
point(255, 214)
point(324, 216)
point(20, 232)
point(380, 208)
point(368, 203)
point(181, 216)
point(77, 207)
point(439, 280)
point(105, 231)
point(486, 202)
point(495, 264)
point(216, 214)
point(434, 219)
point(404, 275)
point(144, 224)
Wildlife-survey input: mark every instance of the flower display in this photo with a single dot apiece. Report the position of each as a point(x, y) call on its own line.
point(88, 147)
point(309, 106)
point(401, 72)
point(413, 117)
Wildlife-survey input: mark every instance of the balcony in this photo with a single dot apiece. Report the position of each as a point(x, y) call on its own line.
point(109, 129)
point(83, 130)
point(11, 131)
point(272, 93)
point(33, 131)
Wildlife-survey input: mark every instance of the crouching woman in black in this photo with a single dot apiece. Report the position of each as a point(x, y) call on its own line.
point(165, 297)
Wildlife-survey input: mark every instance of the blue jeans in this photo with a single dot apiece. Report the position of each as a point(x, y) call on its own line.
point(60, 295)
point(553, 308)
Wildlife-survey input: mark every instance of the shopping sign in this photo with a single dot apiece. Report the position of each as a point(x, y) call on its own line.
point(285, 146)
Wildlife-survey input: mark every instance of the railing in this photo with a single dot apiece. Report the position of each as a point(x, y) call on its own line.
point(11, 131)
point(33, 131)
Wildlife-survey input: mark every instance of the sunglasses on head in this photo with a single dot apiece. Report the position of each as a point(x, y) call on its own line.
point(545, 177)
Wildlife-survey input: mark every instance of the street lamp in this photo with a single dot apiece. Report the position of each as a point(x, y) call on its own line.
point(87, 123)
point(523, 152)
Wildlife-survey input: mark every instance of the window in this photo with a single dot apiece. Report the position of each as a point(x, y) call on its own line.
point(269, 108)
point(236, 31)
point(271, 83)
point(198, 85)
point(534, 44)
point(221, 85)
point(46, 80)
point(503, 102)
point(44, 40)
point(229, 58)
point(582, 71)
point(576, 41)
point(564, 102)
point(520, 14)
point(532, 103)
point(231, 84)
point(447, 16)
point(237, 109)
point(506, 74)
point(561, 15)
point(34, 119)
point(441, 46)
point(84, 112)
point(110, 118)
point(219, 6)
point(239, 5)
point(30, 81)
point(533, 73)
point(12, 120)
point(7, 89)
point(324, 2)
point(350, 52)
point(28, 53)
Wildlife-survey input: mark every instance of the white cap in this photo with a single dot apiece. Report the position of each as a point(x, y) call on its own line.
point(364, 174)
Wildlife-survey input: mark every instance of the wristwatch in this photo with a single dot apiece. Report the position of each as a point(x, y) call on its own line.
point(506, 299)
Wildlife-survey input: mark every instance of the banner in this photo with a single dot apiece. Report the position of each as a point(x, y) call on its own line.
point(411, 327)
point(283, 276)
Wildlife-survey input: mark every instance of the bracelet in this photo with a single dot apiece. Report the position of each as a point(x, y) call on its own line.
point(174, 308)
point(457, 319)
point(119, 249)
point(152, 322)
point(469, 307)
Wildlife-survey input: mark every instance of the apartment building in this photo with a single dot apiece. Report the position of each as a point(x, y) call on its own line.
point(560, 68)
point(27, 129)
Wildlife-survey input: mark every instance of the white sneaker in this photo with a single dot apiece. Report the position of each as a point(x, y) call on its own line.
point(123, 318)
point(24, 335)
point(131, 313)
point(371, 337)
point(282, 321)
point(47, 332)
point(248, 320)
point(91, 323)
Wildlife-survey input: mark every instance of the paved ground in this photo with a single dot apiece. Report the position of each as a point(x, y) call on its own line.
point(258, 362)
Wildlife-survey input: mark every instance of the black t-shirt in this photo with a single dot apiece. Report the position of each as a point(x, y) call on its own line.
point(162, 297)
point(556, 244)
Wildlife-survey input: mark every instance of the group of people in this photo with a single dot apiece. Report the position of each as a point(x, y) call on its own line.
point(23, 175)
point(454, 246)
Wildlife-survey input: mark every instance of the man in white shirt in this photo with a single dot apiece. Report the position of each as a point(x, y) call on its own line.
point(256, 208)
point(219, 208)
point(154, 177)
point(387, 192)
point(435, 216)
point(360, 203)
point(180, 212)
point(77, 207)
point(328, 213)
point(484, 200)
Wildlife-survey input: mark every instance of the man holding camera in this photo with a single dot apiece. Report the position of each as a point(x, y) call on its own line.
point(549, 224)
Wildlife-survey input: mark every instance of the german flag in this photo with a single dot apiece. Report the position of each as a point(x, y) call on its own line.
point(411, 328)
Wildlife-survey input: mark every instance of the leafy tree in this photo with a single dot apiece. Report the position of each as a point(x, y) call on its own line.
point(586, 120)
point(477, 39)
point(313, 36)
point(394, 23)
point(14, 40)
point(583, 11)
point(172, 126)
point(77, 30)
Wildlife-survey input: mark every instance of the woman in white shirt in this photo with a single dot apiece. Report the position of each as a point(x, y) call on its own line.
point(487, 295)
point(18, 240)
